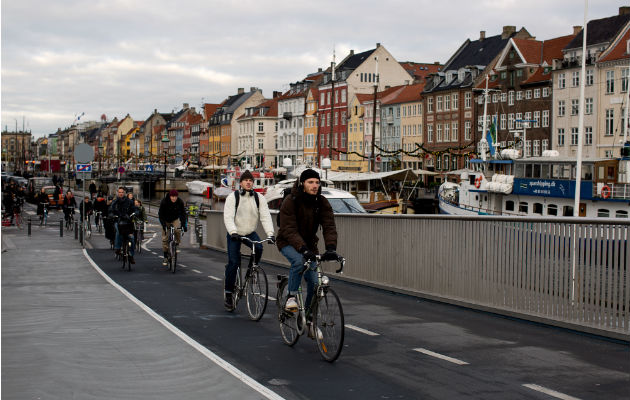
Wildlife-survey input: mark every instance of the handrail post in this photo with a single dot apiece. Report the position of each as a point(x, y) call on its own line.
point(61, 228)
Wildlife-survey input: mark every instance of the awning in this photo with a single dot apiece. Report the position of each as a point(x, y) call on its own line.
point(400, 175)
point(424, 172)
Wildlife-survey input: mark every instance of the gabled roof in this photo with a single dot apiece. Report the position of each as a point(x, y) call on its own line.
point(209, 109)
point(353, 61)
point(271, 107)
point(419, 70)
point(618, 51)
point(552, 48)
point(599, 31)
point(530, 50)
point(407, 94)
point(477, 52)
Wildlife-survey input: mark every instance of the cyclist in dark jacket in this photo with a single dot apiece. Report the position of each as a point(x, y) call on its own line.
point(172, 212)
point(69, 204)
point(121, 210)
point(100, 204)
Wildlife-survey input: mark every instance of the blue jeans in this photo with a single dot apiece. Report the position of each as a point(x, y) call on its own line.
point(118, 242)
point(234, 259)
point(295, 277)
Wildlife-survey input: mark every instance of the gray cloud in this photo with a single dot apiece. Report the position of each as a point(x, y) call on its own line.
point(122, 56)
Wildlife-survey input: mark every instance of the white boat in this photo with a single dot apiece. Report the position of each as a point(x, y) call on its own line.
point(198, 187)
point(539, 186)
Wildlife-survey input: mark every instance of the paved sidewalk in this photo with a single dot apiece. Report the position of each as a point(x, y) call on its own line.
point(68, 334)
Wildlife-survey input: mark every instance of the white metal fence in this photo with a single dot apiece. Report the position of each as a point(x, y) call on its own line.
point(562, 271)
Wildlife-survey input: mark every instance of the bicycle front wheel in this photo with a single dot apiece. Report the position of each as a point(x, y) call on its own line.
point(173, 259)
point(288, 320)
point(328, 322)
point(256, 289)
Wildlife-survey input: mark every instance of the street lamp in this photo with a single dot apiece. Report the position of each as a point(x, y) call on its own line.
point(165, 140)
point(100, 158)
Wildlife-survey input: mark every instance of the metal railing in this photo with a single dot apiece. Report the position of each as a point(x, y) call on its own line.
point(569, 272)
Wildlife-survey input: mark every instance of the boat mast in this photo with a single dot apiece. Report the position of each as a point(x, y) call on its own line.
point(578, 168)
point(483, 143)
point(372, 155)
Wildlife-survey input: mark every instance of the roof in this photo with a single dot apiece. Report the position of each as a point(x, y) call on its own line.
point(209, 109)
point(406, 94)
point(599, 31)
point(618, 50)
point(383, 95)
point(420, 70)
point(353, 61)
point(529, 49)
point(478, 52)
point(400, 175)
point(552, 48)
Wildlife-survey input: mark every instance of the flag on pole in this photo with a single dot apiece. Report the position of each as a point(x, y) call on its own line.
point(491, 136)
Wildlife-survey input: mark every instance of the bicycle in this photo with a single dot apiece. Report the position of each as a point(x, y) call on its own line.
point(139, 234)
point(17, 216)
point(327, 325)
point(98, 219)
point(172, 248)
point(87, 229)
point(126, 245)
point(70, 219)
point(254, 285)
point(44, 217)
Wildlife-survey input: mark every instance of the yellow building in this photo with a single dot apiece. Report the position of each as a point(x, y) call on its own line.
point(356, 135)
point(310, 127)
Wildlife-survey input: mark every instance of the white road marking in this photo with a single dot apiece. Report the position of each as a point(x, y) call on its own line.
point(195, 271)
point(30, 212)
point(550, 392)
point(271, 298)
point(144, 245)
point(441, 356)
point(356, 328)
point(214, 277)
point(240, 375)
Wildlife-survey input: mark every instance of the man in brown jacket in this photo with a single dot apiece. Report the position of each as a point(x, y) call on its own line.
point(301, 214)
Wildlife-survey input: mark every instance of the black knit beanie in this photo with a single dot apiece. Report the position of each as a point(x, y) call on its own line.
point(308, 174)
point(246, 175)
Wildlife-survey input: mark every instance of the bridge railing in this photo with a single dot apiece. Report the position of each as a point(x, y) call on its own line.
point(569, 272)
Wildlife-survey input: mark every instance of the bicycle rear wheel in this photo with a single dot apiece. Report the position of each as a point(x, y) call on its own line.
point(256, 289)
point(328, 320)
point(288, 320)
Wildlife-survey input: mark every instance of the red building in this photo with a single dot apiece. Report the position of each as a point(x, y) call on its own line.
point(332, 122)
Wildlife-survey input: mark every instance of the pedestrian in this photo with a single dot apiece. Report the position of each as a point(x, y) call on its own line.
point(301, 214)
point(92, 189)
point(243, 209)
point(104, 189)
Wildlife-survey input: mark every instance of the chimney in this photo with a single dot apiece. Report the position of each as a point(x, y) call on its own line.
point(576, 29)
point(624, 10)
point(438, 63)
point(193, 110)
point(482, 35)
point(185, 106)
point(252, 88)
point(241, 90)
point(378, 44)
point(319, 70)
point(508, 30)
point(276, 94)
point(351, 52)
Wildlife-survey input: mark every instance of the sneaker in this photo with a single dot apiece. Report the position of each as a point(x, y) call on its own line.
point(291, 304)
point(229, 302)
point(165, 261)
point(311, 332)
point(131, 260)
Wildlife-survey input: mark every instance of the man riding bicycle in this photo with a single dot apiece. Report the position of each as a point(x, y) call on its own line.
point(301, 214)
point(121, 210)
point(242, 211)
point(87, 205)
point(171, 213)
point(69, 204)
point(100, 205)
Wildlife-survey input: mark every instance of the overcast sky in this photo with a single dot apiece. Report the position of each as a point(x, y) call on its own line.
point(61, 58)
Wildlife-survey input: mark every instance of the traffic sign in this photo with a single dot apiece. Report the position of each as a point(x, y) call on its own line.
point(149, 168)
point(83, 153)
point(121, 169)
point(84, 167)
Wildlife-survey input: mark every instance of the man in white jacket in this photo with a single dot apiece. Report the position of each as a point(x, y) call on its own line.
point(241, 219)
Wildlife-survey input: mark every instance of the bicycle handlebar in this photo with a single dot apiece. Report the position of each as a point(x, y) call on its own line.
point(318, 259)
point(243, 238)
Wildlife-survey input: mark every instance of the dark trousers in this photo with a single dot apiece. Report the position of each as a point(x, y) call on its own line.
point(234, 259)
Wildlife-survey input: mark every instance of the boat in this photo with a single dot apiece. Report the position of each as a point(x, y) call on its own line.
point(341, 201)
point(539, 186)
point(198, 187)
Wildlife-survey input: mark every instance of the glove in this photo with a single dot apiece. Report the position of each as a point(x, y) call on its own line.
point(185, 228)
point(235, 237)
point(272, 239)
point(307, 254)
point(330, 255)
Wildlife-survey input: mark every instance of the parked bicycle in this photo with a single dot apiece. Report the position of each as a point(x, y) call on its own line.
point(324, 320)
point(172, 248)
point(253, 286)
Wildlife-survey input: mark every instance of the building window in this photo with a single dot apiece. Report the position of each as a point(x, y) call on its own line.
point(588, 105)
point(610, 81)
point(454, 127)
point(522, 207)
point(467, 100)
point(430, 104)
point(621, 214)
point(610, 118)
point(509, 205)
point(588, 135)
point(552, 209)
point(545, 144)
point(438, 103)
point(438, 133)
point(560, 137)
point(561, 81)
point(447, 132)
point(624, 80)
point(545, 118)
point(546, 92)
point(510, 121)
point(561, 108)
point(537, 93)
point(575, 79)
point(495, 97)
point(603, 213)
point(467, 130)
point(589, 77)
point(575, 106)
point(538, 208)
point(430, 133)
point(528, 148)
point(455, 101)
point(536, 119)
point(447, 103)
point(536, 148)
point(519, 119)
point(503, 121)
point(574, 136)
point(511, 98)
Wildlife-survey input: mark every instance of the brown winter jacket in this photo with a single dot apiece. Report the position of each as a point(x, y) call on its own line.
point(300, 217)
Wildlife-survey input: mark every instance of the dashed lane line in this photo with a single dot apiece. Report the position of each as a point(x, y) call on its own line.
point(550, 392)
point(240, 375)
point(441, 356)
point(196, 271)
point(214, 277)
point(144, 245)
point(365, 331)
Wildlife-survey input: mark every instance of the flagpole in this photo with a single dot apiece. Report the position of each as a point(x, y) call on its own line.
point(485, 122)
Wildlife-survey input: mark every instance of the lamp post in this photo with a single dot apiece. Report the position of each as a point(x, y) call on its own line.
point(100, 159)
point(165, 140)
